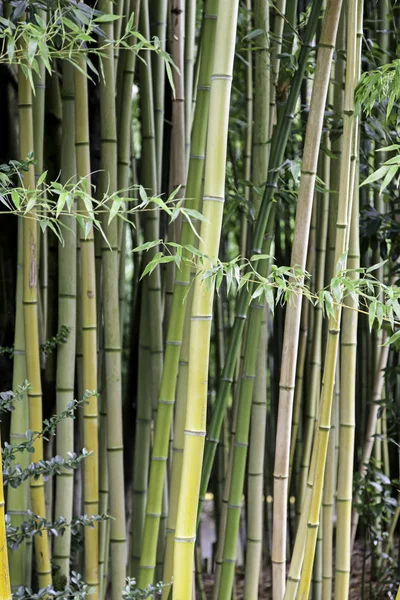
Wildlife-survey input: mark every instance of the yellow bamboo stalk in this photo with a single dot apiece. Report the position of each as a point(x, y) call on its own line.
point(342, 235)
point(293, 311)
point(5, 585)
point(201, 316)
point(348, 379)
point(30, 299)
point(88, 334)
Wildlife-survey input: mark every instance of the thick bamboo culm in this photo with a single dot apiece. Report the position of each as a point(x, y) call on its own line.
point(87, 309)
point(176, 323)
point(255, 474)
point(31, 324)
point(293, 311)
point(67, 294)
point(200, 330)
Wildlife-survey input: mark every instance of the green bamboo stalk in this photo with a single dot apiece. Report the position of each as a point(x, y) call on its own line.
point(371, 425)
point(255, 474)
point(344, 208)
point(240, 447)
point(158, 24)
point(112, 335)
point(348, 393)
point(142, 438)
point(201, 315)
point(177, 449)
point(18, 498)
point(104, 529)
point(230, 436)
point(152, 218)
point(249, 132)
point(38, 108)
point(31, 324)
point(190, 83)
point(175, 328)
point(88, 333)
point(264, 227)
point(178, 150)
point(293, 311)
point(66, 316)
point(328, 511)
point(276, 49)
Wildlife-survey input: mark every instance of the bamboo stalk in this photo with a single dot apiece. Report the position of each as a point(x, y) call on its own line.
point(87, 308)
point(177, 449)
point(112, 335)
point(293, 311)
point(158, 24)
point(200, 330)
point(18, 498)
point(344, 208)
point(255, 474)
point(348, 390)
point(31, 324)
point(175, 327)
point(66, 316)
point(264, 228)
point(141, 455)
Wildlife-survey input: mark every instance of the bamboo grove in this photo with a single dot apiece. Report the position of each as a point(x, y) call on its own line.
point(199, 316)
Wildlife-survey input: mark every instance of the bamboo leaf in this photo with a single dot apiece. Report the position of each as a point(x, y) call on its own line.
point(42, 178)
point(371, 314)
point(388, 178)
point(146, 246)
point(376, 175)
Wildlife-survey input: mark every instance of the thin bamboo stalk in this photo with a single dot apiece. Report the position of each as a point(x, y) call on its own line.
point(201, 316)
point(190, 83)
point(371, 425)
point(348, 393)
point(112, 335)
point(5, 585)
point(276, 50)
point(293, 311)
point(142, 438)
point(158, 23)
